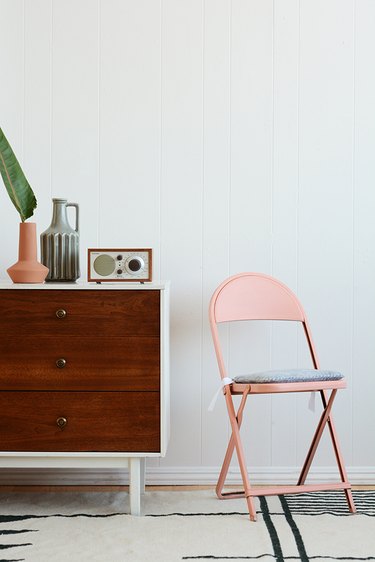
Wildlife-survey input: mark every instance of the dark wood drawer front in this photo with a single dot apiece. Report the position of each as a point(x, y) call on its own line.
point(96, 421)
point(131, 363)
point(89, 312)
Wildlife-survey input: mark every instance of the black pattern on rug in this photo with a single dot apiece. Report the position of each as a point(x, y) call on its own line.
point(331, 503)
point(291, 507)
point(4, 519)
point(296, 532)
point(314, 503)
point(263, 556)
point(276, 545)
point(363, 505)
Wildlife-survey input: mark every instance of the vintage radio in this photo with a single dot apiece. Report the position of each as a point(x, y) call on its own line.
point(119, 264)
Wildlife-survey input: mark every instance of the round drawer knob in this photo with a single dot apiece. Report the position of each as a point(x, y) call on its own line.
point(61, 313)
point(61, 422)
point(60, 363)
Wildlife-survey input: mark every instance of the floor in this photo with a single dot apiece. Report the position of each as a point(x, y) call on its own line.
point(122, 488)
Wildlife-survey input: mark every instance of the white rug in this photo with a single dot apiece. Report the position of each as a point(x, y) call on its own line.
point(89, 527)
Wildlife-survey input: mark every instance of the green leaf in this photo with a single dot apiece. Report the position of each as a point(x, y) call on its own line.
point(18, 188)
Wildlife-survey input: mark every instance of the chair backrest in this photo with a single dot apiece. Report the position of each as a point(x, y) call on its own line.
point(255, 296)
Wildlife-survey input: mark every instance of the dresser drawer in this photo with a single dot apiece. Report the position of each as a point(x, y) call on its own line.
point(117, 363)
point(82, 312)
point(95, 421)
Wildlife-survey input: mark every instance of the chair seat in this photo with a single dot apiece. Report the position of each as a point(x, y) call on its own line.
point(289, 375)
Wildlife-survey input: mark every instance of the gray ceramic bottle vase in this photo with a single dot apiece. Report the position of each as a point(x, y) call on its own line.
point(60, 244)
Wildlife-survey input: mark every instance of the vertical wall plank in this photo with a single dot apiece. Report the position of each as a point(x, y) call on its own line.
point(75, 113)
point(181, 208)
point(285, 214)
point(251, 188)
point(12, 117)
point(364, 236)
point(325, 220)
point(130, 125)
point(251, 107)
point(130, 120)
point(215, 236)
point(37, 124)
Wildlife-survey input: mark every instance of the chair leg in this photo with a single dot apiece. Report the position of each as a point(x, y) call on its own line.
point(316, 439)
point(228, 457)
point(339, 458)
point(224, 470)
point(327, 420)
point(235, 422)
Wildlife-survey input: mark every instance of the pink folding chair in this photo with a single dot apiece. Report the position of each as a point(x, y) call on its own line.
point(254, 296)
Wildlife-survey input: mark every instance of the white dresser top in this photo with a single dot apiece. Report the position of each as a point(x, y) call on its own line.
point(80, 285)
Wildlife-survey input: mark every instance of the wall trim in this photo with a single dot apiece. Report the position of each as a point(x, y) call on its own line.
point(188, 475)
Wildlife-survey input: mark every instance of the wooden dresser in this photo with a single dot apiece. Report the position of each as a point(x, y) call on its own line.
point(84, 378)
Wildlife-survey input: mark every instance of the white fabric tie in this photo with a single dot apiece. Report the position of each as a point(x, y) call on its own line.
point(224, 382)
point(312, 402)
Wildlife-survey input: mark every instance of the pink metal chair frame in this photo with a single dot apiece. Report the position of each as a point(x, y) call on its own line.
point(255, 296)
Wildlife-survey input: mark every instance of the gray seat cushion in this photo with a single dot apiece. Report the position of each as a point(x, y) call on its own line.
point(289, 375)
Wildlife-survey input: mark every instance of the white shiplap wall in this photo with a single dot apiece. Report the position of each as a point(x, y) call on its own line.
point(229, 135)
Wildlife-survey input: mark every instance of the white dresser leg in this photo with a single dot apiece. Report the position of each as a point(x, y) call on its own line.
point(135, 485)
point(143, 474)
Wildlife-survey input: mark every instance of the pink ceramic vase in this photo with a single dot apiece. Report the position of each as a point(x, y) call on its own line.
point(27, 269)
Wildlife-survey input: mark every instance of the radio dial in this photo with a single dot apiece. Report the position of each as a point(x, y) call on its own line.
point(134, 264)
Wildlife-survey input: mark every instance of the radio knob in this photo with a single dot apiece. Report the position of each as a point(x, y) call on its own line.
point(119, 271)
point(119, 257)
point(135, 264)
